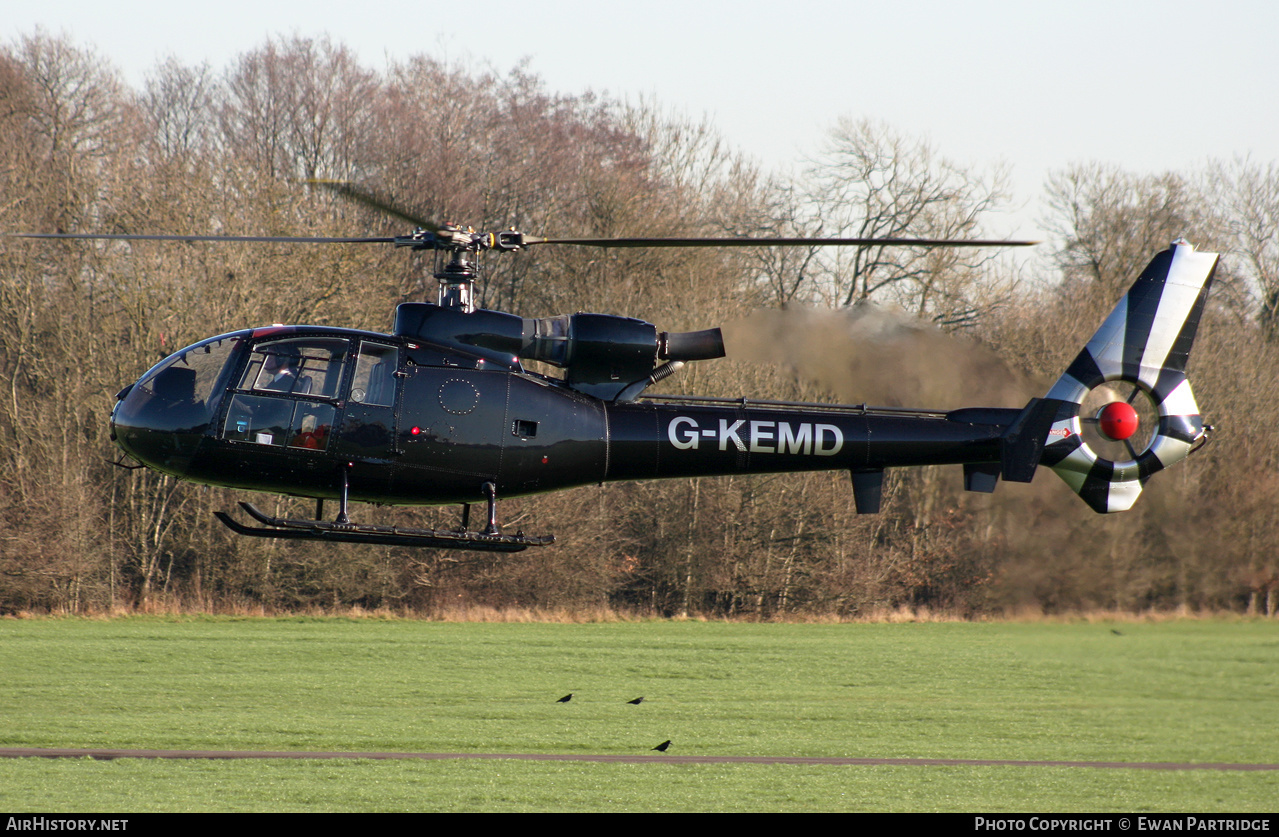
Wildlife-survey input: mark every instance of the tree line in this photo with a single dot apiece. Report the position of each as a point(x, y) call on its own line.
point(199, 150)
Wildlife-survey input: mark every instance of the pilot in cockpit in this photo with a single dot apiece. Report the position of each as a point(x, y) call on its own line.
point(280, 373)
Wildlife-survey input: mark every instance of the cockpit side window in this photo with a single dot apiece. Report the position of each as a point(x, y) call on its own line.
point(374, 382)
point(308, 367)
point(299, 367)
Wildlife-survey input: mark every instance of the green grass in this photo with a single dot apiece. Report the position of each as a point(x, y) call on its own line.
point(1185, 691)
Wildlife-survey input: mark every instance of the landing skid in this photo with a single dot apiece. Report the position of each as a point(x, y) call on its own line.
point(319, 530)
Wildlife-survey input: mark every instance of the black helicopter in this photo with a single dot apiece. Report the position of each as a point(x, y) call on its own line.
point(442, 409)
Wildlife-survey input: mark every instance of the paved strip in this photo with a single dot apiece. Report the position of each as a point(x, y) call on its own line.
point(107, 755)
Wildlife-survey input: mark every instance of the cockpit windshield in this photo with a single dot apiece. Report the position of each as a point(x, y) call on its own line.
point(180, 392)
point(162, 419)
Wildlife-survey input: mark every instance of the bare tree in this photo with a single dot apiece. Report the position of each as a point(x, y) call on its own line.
point(299, 108)
point(1249, 213)
point(1110, 221)
point(63, 115)
point(74, 111)
point(872, 182)
point(178, 101)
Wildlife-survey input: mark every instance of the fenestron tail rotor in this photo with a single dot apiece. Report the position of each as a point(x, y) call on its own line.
point(1125, 409)
point(1118, 421)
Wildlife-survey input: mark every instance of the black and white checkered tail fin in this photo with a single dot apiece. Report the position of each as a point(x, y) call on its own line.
point(1102, 448)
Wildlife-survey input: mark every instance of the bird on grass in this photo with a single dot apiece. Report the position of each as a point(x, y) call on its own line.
point(661, 748)
point(566, 698)
point(637, 701)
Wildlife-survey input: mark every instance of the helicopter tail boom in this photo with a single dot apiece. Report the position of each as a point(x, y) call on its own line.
point(1121, 412)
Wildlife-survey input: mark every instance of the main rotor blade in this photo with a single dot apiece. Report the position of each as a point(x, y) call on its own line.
point(531, 240)
point(775, 242)
point(372, 201)
point(258, 238)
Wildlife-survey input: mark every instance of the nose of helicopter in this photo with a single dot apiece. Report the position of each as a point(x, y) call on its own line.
point(160, 432)
point(159, 421)
point(131, 428)
point(165, 417)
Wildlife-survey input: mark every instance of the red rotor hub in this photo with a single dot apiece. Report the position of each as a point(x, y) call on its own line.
point(1117, 421)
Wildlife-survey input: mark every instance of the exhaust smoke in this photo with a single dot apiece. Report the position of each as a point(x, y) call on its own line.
point(881, 357)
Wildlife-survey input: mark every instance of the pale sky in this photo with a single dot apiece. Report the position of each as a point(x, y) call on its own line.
point(1149, 85)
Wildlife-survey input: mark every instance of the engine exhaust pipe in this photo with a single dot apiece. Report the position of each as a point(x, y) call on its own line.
point(691, 345)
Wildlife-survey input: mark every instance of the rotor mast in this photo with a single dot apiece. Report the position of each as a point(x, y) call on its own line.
point(455, 263)
point(456, 275)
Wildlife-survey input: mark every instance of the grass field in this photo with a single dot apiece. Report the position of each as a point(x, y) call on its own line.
point(1178, 691)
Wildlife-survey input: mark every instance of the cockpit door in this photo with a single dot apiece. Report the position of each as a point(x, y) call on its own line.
point(368, 428)
point(287, 395)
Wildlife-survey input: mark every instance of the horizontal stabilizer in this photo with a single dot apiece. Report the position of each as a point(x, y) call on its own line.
point(1022, 445)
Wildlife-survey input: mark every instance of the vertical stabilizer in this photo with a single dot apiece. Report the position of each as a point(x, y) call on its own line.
point(1100, 443)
